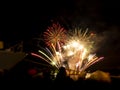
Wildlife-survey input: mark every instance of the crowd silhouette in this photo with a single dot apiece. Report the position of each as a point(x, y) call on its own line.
point(24, 76)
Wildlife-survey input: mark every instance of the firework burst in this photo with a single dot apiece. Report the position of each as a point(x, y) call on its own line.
point(55, 34)
point(75, 54)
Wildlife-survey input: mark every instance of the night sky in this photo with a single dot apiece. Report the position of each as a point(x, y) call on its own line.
point(26, 20)
point(22, 19)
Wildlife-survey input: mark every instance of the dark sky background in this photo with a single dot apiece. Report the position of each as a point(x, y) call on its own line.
point(22, 19)
point(26, 20)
